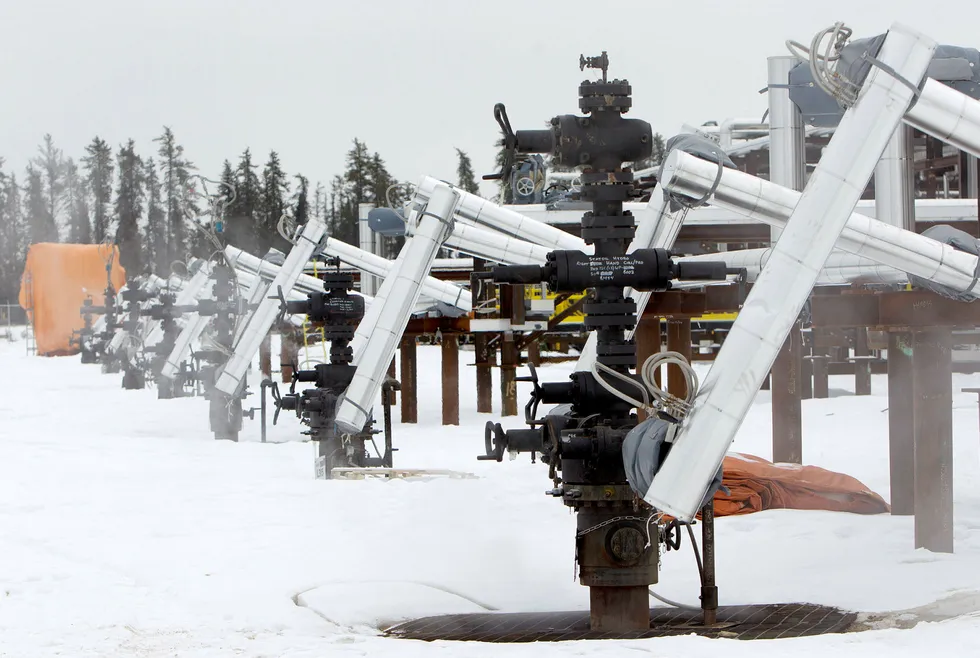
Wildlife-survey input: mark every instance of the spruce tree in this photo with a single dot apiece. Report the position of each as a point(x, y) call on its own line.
point(361, 181)
point(157, 248)
point(300, 201)
point(40, 226)
point(15, 236)
point(51, 163)
point(243, 216)
point(98, 165)
point(275, 191)
point(10, 260)
point(175, 173)
point(79, 224)
point(129, 209)
point(465, 178)
point(334, 208)
point(320, 202)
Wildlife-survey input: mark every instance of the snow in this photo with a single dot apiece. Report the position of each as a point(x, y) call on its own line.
point(126, 530)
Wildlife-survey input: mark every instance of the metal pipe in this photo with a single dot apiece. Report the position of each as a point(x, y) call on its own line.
point(947, 114)
point(443, 291)
point(261, 320)
point(366, 237)
point(771, 308)
point(787, 147)
point(840, 268)
point(401, 291)
point(486, 213)
point(894, 189)
point(766, 202)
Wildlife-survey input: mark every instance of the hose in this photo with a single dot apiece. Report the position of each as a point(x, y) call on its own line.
point(662, 398)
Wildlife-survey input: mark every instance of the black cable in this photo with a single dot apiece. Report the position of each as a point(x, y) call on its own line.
point(697, 553)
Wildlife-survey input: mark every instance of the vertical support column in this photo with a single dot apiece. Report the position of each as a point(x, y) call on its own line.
point(678, 340)
point(484, 378)
point(933, 410)
point(390, 391)
point(508, 374)
point(366, 241)
point(648, 343)
point(787, 167)
point(450, 379)
point(972, 177)
point(862, 362)
point(901, 424)
point(265, 357)
point(709, 590)
point(821, 377)
point(409, 381)
point(484, 357)
point(534, 353)
point(787, 139)
point(894, 186)
point(787, 410)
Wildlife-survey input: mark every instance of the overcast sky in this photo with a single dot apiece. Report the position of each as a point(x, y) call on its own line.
point(412, 79)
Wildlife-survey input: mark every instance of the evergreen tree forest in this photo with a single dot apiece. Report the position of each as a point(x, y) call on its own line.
point(142, 199)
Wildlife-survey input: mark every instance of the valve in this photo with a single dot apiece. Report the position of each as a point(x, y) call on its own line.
point(495, 440)
point(531, 409)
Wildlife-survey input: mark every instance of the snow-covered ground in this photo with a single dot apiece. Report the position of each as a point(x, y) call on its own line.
point(126, 530)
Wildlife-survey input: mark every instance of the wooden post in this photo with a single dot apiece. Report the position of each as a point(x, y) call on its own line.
point(392, 400)
point(409, 381)
point(485, 359)
point(678, 340)
point(483, 356)
point(450, 380)
point(821, 379)
point(534, 353)
point(933, 410)
point(862, 362)
point(265, 357)
point(901, 424)
point(787, 410)
point(648, 342)
point(508, 375)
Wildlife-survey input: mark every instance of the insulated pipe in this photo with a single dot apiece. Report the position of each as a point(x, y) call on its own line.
point(400, 291)
point(947, 114)
point(366, 238)
point(187, 295)
point(840, 268)
point(246, 262)
point(486, 213)
point(787, 140)
point(779, 293)
point(153, 285)
point(261, 320)
point(492, 245)
point(877, 241)
point(443, 291)
point(894, 186)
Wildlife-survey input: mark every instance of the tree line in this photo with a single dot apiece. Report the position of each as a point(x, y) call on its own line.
point(145, 202)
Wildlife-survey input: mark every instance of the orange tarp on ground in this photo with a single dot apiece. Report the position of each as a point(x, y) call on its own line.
point(756, 484)
point(57, 278)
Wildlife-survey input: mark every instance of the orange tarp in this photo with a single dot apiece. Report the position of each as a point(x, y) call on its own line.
point(57, 278)
point(756, 484)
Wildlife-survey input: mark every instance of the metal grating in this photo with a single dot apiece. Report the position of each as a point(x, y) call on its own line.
point(748, 622)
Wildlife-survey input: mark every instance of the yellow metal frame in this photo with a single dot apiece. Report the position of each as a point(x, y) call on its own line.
point(534, 292)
